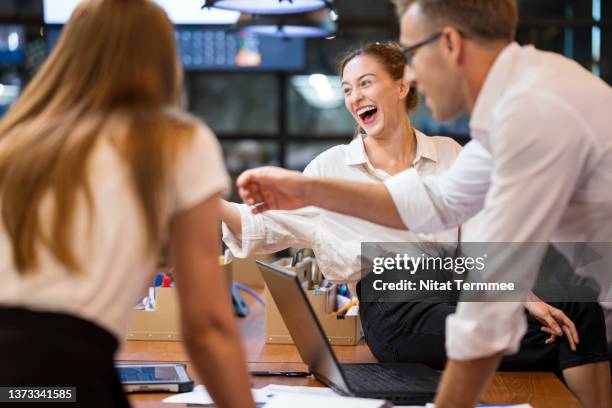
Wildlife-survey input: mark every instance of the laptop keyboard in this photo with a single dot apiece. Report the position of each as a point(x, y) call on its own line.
point(377, 378)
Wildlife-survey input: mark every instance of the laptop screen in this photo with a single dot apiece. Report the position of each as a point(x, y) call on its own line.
point(305, 329)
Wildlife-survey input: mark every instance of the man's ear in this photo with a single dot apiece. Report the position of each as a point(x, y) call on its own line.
point(453, 43)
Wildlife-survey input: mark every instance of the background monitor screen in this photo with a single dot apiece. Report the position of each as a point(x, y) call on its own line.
point(179, 11)
point(218, 49)
point(203, 39)
point(204, 48)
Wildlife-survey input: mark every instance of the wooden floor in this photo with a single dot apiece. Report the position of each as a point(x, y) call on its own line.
point(541, 390)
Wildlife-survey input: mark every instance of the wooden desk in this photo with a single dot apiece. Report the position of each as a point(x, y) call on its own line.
point(541, 390)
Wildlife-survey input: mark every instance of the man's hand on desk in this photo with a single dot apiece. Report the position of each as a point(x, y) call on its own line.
point(273, 188)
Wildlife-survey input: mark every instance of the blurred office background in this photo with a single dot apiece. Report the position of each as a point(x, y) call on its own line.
point(278, 101)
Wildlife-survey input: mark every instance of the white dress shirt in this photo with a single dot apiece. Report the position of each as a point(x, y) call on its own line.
point(438, 202)
point(336, 238)
point(540, 165)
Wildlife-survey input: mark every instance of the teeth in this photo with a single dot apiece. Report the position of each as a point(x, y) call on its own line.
point(365, 109)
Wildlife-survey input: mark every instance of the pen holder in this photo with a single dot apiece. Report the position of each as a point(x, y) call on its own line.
point(162, 323)
point(345, 331)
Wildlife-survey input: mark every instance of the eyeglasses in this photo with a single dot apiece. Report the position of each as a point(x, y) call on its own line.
point(408, 52)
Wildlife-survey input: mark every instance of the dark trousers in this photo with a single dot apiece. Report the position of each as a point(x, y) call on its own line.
point(53, 349)
point(415, 332)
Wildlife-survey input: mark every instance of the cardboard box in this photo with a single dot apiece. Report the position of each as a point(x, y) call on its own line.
point(344, 331)
point(246, 271)
point(163, 322)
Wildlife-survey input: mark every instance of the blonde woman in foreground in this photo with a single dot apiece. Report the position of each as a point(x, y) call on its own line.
point(98, 166)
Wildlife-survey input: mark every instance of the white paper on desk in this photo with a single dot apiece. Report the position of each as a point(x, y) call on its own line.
point(290, 389)
point(479, 405)
point(200, 396)
point(296, 400)
point(504, 406)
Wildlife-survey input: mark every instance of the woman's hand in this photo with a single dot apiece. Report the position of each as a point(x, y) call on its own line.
point(554, 321)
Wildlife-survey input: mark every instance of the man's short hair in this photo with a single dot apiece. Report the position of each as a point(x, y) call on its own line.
point(485, 20)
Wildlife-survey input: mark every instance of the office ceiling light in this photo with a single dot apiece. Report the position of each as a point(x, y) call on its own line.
point(269, 6)
point(312, 24)
point(319, 91)
point(8, 95)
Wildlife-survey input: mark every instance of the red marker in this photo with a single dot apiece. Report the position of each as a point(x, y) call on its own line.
point(166, 281)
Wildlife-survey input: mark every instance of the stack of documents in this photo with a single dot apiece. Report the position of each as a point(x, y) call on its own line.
point(478, 406)
point(283, 396)
point(308, 401)
point(489, 406)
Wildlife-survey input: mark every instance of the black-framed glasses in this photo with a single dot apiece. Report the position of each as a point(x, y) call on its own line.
point(408, 52)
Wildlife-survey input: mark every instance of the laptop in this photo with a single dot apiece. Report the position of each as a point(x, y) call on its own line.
point(400, 383)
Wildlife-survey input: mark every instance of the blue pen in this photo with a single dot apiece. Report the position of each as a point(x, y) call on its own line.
point(159, 279)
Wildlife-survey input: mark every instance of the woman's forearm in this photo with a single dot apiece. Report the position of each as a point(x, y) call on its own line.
point(210, 332)
point(219, 356)
point(230, 215)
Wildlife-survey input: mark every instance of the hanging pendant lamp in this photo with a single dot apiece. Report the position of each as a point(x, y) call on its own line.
point(303, 25)
point(269, 6)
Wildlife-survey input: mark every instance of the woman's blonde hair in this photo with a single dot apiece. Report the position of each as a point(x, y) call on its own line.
point(114, 74)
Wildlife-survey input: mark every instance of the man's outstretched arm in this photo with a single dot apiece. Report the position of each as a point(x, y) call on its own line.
point(370, 201)
point(408, 201)
point(273, 188)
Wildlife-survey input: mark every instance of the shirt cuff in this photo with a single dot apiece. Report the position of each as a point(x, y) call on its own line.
point(253, 231)
point(412, 201)
point(479, 330)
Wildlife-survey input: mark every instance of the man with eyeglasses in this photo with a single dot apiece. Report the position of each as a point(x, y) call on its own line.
point(539, 167)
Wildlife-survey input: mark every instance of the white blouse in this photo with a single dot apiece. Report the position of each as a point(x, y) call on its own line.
point(109, 246)
point(336, 238)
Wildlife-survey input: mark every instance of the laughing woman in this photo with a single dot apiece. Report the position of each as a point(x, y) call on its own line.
point(378, 98)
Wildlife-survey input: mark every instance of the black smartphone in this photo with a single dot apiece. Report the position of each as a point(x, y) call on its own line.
point(154, 377)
